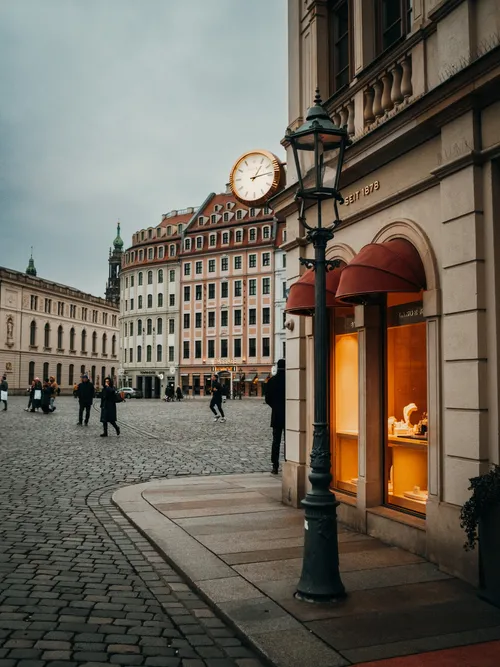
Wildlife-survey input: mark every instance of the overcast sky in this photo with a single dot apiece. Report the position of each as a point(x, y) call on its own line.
point(126, 109)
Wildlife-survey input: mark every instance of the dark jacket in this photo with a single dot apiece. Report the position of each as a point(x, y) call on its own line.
point(216, 391)
point(4, 386)
point(46, 395)
point(85, 392)
point(108, 405)
point(276, 398)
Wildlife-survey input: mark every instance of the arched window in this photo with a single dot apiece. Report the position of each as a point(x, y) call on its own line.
point(84, 342)
point(103, 374)
point(72, 338)
point(159, 352)
point(187, 244)
point(139, 353)
point(172, 250)
point(148, 353)
point(139, 305)
point(112, 373)
point(31, 372)
point(104, 343)
point(46, 335)
point(82, 370)
point(93, 374)
point(159, 326)
point(45, 371)
point(33, 333)
point(139, 327)
point(71, 375)
point(59, 337)
point(150, 277)
point(160, 300)
point(149, 327)
point(94, 342)
point(150, 300)
point(160, 276)
point(59, 373)
point(113, 345)
point(139, 279)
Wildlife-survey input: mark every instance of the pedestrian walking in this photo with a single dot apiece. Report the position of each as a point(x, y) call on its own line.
point(30, 391)
point(4, 391)
point(216, 402)
point(85, 392)
point(109, 399)
point(36, 403)
point(54, 392)
point(276, 399)
point(178, 394)
point(46, 396)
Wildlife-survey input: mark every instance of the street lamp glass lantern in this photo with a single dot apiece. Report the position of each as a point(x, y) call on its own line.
point(327, 142)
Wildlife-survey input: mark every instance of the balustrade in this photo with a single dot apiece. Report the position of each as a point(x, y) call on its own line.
point(391, 89)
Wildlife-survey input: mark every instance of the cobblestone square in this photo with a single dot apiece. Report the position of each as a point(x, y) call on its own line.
point(78, 584)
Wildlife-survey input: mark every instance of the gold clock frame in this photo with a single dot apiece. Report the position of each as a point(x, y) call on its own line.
point(279, 177)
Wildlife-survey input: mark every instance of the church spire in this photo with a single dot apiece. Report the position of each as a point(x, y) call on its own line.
point(31, 270)
point(118, 242)
point(115, 262)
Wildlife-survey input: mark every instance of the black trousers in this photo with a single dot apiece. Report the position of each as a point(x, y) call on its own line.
point(213, 403)
point(113, 424)
point(87, 413)
point(275, 449)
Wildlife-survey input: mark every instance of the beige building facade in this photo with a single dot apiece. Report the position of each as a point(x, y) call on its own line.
point(51, 329)
point(414, 351)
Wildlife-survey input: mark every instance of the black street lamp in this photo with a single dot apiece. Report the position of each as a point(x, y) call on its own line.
point(320, 580)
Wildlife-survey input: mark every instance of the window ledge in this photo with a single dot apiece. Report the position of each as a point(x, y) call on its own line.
point(344, 498)
point(47, 349)
point(400, 517)
point(72, 351)
point(60, 349)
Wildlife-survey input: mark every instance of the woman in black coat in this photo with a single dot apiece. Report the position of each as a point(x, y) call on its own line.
point(108, 407)
point(46, 395)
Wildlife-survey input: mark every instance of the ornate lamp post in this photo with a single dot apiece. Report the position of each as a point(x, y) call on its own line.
point(320, 580)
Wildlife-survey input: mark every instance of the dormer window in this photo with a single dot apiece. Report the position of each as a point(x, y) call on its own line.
point(267, 210)
point(150, 233)
point(179, 229)
point(217, 208)
point(213, 240)
point(226, 217)
point(239, 214)
point(229, 205)
point(169, 230)
point(187, 244)
point(142, 236)
point(252, 213)
point(213, 219)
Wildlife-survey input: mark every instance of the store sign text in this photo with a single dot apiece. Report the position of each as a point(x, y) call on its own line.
point(366, 191)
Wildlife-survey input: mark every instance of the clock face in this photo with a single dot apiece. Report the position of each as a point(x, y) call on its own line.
point(256, 176)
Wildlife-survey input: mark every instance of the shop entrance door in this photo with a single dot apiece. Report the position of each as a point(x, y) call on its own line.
point(139, 384)
point(148, 387)
point(157, 387)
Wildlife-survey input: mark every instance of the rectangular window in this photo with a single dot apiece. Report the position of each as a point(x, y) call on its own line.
point(171, 275)
point(224, 318)
point(131, 281)
point(341, 41)
point(237, 318)
point(187, 320)
point(252, 287)
point(171, 353)
point(197, 320)
point(393, 20)
point(171, 299)
point(266, 259)
point(225, 238)
point(131, 304)
point(211, 349)
point(283, 261)
point(199, 242)
point(224, 290)
point(266, 285)
point(224, 263)
point(266, 233)
point(197, 349)
point(211, 265)
point(187, 269)
point(223, 348)
point(239, 214)
point(171, 326)
point(237, 262)
point(213, 240)
point(252, 347)
point(199, 268)
point(266, 348)
point(284, 290)
point(252, 261)
point(266, 316)
point(211, 290)
point(211, 319)
point(187, 293)
point(252, 316)
point(185, 349)
point(131, 355)
point(237, 347)
point(198, 292)
point(238, 237)
point(237, 288)
point(252, 234)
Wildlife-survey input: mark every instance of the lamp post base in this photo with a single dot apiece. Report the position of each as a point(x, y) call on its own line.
point(320, 580)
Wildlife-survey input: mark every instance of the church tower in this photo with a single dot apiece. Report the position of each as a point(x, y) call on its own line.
point(31, 270)
point(115, 262)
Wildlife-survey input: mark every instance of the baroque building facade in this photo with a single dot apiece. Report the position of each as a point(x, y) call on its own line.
point(50, 329)
point(199, 295)
point(415, 304)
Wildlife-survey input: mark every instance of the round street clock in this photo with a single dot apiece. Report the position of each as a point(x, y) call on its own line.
point(256, 177)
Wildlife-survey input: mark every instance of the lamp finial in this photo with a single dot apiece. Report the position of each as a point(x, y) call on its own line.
point(317, 97)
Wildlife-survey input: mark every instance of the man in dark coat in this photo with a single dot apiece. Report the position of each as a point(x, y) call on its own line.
point(275, 398)
point(4, 388)
point(108, 407)
point(216, 402)
point(85, 392)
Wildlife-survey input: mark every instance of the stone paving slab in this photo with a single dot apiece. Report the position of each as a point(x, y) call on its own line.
point(397, 604)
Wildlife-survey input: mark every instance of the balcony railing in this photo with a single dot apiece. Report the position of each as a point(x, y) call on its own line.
point(391, 89)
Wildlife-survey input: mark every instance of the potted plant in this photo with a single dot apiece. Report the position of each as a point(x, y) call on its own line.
point(480, 519)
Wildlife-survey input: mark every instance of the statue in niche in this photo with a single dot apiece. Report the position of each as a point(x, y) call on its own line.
point(10, 331)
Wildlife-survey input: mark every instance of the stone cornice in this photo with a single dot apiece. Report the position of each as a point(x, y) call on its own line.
point(442, 9)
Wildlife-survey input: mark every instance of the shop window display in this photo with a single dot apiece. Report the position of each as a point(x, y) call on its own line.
point(406, 403)
point(344, 401)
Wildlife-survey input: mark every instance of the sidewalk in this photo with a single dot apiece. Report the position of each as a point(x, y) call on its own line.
point(241, 548)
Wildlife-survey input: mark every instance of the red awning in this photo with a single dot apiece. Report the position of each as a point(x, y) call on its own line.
point(393, 266)
point(301, 297)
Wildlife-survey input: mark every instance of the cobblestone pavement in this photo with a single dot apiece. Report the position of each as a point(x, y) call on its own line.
point(78, 584)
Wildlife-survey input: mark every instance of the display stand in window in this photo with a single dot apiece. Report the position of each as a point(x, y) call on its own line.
point(345, 401)
point(406, 403)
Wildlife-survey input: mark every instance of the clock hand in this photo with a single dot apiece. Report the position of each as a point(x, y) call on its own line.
point(252, 178)
point(268, 173)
